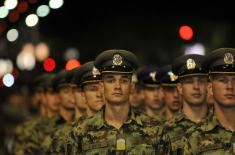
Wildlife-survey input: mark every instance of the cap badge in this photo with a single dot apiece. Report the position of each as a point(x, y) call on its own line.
point(153, 76)
point(95, 72)
point(228, 58)
point(117, 59)
point(172, 76)
point(190, 64)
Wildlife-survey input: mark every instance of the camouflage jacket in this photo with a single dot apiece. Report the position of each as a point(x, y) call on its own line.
point(31, 138)
point(179, 128)
point(138, 135)
point(61, 135)
point(211, 138)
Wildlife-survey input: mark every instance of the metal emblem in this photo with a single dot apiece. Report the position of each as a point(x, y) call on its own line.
point(228, 58)
point(117, 59)
point(190, 64)
point(172, 76)
point(121, 144)
point(95, 72)
point(153, 76)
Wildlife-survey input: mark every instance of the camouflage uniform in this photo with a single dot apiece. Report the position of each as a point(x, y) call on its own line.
point(138, 135)
point(61, 135)
point(25, 136)
point(181, 128)
point(211, 139)
point(33, 138)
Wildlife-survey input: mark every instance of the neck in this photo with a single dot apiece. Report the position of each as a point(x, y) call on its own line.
point(90, 112)
point(79, 112)
point(151, 112)
point(116, 115)
point(170, 113)
point(225, 116)
point(66, 114)
point(195, 113)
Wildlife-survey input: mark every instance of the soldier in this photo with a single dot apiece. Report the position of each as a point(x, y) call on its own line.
point(152, 92)
point(62, 85)
point(30, 134)
point(192, 86)
point(217, 136)
point(90, 82)
point(87, 78)
point(116, 129)
point(136, 97)
point(171, 97)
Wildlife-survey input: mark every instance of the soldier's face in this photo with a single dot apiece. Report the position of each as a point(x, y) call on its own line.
point(80, 100)
point(52, 101)
point(193, 89)
point(223, 89)
point(136, 98)
point(117, 88)
point(66, 97)
point(94, 96)
point(152, 97)
point(172, 98)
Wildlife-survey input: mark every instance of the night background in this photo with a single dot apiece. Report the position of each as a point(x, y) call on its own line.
point(149, 30)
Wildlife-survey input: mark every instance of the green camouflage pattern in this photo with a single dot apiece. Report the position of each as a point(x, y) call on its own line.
point(211, 138)
point(61, 135)
point(138, 135)
point(181, 128)
point(32, 137)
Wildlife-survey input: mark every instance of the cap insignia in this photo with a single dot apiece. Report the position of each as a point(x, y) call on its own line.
point(117, 59)
point(228, 58)
point(153, 76)
point(172, 76)
point(190, 64)
point(95, 72)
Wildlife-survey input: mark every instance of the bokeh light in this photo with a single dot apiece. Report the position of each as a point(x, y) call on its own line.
point(71, 64)
point(49, 64)
point(31, 20)
point(186, 32)
point(56, 4)
point(43, 11)
point(12, 35)
point(41, 51)
point(3, 12)
point(8, 80)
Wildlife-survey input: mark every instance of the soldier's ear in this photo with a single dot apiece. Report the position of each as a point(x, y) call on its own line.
point(179, 88)
point(209, 88)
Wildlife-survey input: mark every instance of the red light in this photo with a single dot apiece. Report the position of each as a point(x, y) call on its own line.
point(22, 7)
point(15, 73)
point(14, 16)
point(71, 64)
point(49, 64)
point(2, 27)
point(186, 32)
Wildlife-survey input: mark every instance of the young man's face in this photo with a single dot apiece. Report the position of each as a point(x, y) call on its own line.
point(80, 101)
point(172, 99)
point(117, 88)
point(193, 89)
point(66, 97)
point(52, 100)
point(94, 96)
point(152, 97)
point(223, 88)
